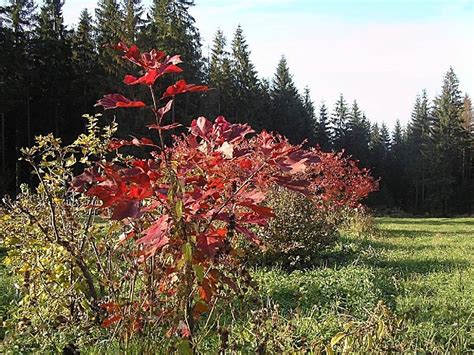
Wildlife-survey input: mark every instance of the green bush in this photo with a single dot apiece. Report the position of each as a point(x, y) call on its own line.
point(359, 222)
point(54, 249)
point(297, 234)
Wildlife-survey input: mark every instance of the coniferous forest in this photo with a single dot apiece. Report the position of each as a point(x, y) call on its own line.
point(51, 74)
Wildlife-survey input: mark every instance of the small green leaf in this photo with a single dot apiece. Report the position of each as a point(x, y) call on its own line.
point(179, 209)
point(199, 271)
point(370, 342)
point(70, 161)
point(184, 347)
point(188, 252)
point(337, 338)
point(380, 329)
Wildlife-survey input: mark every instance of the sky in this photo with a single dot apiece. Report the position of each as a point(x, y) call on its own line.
point(380, 52)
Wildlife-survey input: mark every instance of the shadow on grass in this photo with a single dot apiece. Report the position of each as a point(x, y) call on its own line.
point(422, 233)
point(408, 267)
point(372, 252)
point(429, 221)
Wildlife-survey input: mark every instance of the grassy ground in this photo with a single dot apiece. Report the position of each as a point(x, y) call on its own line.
point(422, 269)
point(6, 292)
point(431, 262)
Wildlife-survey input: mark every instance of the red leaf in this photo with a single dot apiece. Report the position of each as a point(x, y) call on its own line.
point(200, 308)
point(205, 291)
point(165, 109)
point(260, 210)
point(246, 164)
point(181, 87)
point(155, 236)
point(184, 329)
point(148, 79)
point(250, 235)
point(116, 100)
point(210, 242)
point(111, 320)
point(201, 127)
point(151, 75)
point(164, 128)
point(126, 209)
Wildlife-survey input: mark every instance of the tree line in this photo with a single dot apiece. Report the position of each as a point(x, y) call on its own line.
point(51, 74)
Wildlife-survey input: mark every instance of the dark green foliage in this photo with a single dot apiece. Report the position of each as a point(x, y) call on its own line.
point(446, 134)
point(297, 235)
point(109, 29)
point(132, 20)
point(309, 117)
point(220, 78)
point(52, 74)
point(85, 63)
point(171, 28)
point(339, 127)
point(322, 130)
point(244, 77)
point(358, 135)
point(287, 113)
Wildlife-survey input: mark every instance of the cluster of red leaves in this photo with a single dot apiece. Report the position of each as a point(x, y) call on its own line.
point(337, 182)
point(186, 205)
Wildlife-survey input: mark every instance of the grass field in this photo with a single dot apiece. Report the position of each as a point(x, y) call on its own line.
point(422, 269)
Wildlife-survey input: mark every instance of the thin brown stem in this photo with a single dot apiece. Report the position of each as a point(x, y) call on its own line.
point(158, 118)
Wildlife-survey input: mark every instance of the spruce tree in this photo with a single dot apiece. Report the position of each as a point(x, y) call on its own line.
point(385, 136)
point(109, 27)
point(467, 143)
point(396, 166)
point(263, 110)
point(85, 62)
point(309, 116)
point(220, 79)
point(447, 140)
point(287, 106)
point(322, 133)
point(466, 188)
point(171, 28)
point(53, 69)
point(420, 146)
point(132, 20)
point(376, 145)
point(244, 78)
point(357, 135)
point(339, 124)
point(17, 23)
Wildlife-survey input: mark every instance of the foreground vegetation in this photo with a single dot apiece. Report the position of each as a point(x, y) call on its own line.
point(421, 269)
point(191, 248)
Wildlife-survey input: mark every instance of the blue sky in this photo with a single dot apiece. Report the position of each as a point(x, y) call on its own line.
point(380, 52)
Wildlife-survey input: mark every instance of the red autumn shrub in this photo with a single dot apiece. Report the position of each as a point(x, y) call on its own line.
point(337, 183)
point(187, 205)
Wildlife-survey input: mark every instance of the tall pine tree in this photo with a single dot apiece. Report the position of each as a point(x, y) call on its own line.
point(220, 78)
point(357, 135)
point(419, 145)
point(339, 124)
point(323, 137)
point(109, 27)
point(309, 116)
point(447, 137)
point(287, 107)
point(244, 78)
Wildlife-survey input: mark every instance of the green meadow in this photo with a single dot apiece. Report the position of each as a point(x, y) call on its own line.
point(420, 270)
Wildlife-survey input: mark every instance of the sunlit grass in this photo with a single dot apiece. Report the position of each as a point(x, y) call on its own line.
point(423, 269)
